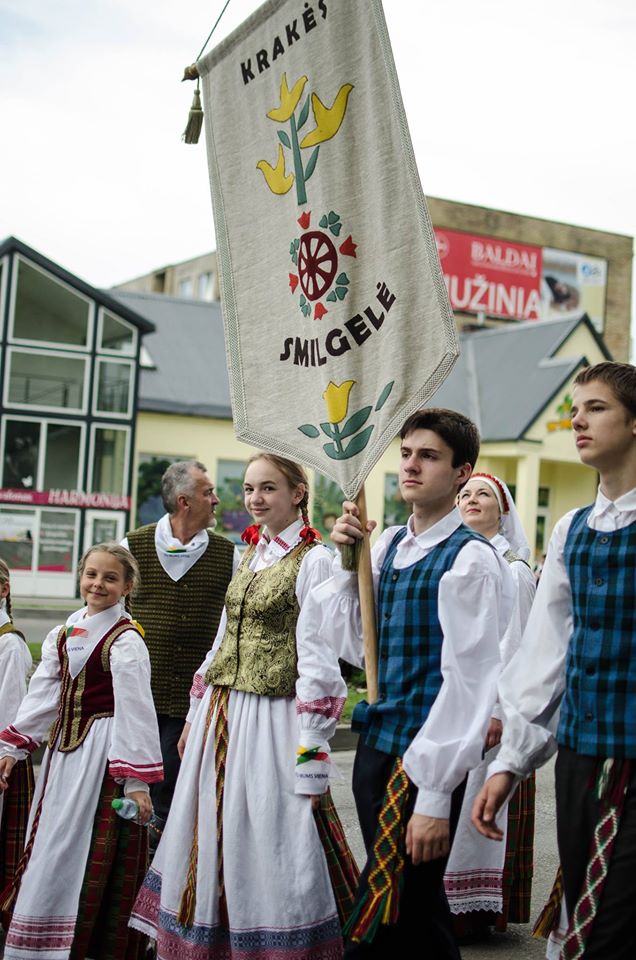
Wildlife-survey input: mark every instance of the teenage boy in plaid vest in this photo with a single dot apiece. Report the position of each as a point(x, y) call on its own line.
point(444, 597)
point(579, 653)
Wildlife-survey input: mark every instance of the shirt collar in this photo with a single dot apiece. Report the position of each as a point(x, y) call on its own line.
point(603, 505)
point(283, 542)
point(435, 534)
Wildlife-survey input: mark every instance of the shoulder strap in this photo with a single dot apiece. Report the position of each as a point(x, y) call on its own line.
point(114, 634)
point(10, 628)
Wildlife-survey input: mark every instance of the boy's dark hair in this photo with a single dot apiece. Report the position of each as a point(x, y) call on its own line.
point(619, 377)
point(457, 431)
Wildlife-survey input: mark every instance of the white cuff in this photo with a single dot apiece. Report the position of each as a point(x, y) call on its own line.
point(312, 776)
point(433, 803)
point(132, 785)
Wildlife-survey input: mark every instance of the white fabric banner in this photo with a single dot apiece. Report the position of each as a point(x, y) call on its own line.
point(337, 321)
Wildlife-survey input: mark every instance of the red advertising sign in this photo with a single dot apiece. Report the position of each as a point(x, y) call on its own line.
point(65, 498)
point(494, 277)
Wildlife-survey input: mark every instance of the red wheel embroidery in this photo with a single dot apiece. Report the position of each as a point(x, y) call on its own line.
point(317, 263)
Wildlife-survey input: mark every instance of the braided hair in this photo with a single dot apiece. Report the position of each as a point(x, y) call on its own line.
point(5, 579)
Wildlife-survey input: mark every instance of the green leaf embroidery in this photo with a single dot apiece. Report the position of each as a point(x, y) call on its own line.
point(341, 292)
point(309, 430)
point(333, 217)
point(342, 278)
point(384, 396)
point(357, 420)
point(335, 228)
point(326, 428)
point(359, 442)
point(311, 164)
point(323, 222)
point(332, 296)
point(304, 113)
point(284, 139)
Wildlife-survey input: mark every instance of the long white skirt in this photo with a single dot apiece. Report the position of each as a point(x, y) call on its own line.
point(279, 897)
point(45, 911)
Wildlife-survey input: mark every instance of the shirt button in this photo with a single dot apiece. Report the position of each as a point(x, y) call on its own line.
point(599, 581)
point(589, 715)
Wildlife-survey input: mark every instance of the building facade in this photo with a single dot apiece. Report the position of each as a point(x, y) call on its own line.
point(69, 370)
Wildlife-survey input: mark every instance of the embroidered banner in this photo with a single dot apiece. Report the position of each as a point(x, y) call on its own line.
point(337, 320)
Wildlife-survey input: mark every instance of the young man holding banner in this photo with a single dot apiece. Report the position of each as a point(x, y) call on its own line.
point(444, 597)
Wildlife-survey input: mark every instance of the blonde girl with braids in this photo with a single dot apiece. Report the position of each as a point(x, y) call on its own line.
point(90, 701)
point(241, 868)
point(15, 665)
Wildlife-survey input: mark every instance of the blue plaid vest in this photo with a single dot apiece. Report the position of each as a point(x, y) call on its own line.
point(409, 645)
point(598, 711)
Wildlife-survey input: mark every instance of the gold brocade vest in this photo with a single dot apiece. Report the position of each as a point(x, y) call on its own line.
point(258, 650)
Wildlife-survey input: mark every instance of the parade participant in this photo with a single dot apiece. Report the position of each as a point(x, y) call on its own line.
point(248, 875)
point(82, 864)
point(444, 597)
point(15, 664)
point(486, 883)
point(577, 654)
point(185, 569)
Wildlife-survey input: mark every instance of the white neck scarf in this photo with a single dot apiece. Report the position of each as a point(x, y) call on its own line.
point(84, 633)
point(175, 557)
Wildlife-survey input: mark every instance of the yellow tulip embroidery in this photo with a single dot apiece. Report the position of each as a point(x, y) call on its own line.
point(328, 121)
point(338, 428)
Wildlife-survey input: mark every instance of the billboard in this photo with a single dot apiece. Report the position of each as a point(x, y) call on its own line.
point(514, 281)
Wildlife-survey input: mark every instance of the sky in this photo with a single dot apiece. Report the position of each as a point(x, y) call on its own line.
point(521, 107)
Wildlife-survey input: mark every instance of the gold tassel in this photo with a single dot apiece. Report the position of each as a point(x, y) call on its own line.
point(195, 119)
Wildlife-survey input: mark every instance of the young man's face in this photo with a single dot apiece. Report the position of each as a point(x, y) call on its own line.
point(604, 430)
point(427, 474)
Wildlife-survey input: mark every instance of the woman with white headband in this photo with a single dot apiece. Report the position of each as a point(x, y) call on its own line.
point(490, 883)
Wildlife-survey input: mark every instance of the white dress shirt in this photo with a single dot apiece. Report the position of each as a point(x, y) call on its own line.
point(532, 685)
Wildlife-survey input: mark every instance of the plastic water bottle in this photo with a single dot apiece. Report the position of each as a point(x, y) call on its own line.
point(129, 810)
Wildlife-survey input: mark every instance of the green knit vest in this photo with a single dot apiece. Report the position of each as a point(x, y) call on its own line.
point(258, 650)
point(180, 618)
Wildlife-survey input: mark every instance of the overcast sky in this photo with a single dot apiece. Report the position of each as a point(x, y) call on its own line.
point(524, 107)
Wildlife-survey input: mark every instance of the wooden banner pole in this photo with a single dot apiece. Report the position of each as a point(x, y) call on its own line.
point(367, 605)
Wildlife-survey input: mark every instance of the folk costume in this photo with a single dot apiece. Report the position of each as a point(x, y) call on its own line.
point(15, 664)
point(490, 883)
point(179, 602)
point(572, 686)
point(444, 598)
point(82, 865)
point(247, 876)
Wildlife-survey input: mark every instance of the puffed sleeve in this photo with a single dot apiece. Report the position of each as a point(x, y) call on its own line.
point(134, 751)
point(39, 708)
point(475, 602)
point(525, 590)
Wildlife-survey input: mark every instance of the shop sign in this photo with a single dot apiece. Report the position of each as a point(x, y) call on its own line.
point(65, 498)
point(564, 416)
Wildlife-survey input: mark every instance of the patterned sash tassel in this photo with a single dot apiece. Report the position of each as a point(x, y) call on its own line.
point(187, 905)
point(548, 919)
point(343, 870)
point(611, 788)
point(379, 904)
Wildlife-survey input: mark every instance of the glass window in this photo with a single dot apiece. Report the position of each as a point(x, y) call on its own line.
point(150, 506)
point(17, 529)
point(113, 387)
point(543, 497)
point(206, 286)
point(48, 310)
point(46, 380)
point(57, 541)
point(117, 335)
point(21, 452)
point(62, 457)
point(231, 512)
point(109, 460)
point(185, 288)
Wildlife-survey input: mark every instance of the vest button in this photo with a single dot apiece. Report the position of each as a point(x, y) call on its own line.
point(604, 540)
point(589, 715)
point(394, 577)
point(599, 581)
point(387, 616)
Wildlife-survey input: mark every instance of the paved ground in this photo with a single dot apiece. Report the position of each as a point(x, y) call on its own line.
point(517, 943)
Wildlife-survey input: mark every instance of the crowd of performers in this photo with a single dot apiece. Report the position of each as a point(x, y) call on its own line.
point(479, 683)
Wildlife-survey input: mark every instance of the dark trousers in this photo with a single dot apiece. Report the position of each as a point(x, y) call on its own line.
point(161, 793)
point(424, 926)
point(613, 936)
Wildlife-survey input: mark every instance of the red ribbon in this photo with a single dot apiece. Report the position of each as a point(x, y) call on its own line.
point(309, 534)
point(251, 535)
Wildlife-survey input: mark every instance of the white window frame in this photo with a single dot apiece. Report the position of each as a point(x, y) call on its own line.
point(91, 515)
point(106, 425)
point(44, 421)
point(14, 405)
point(131, 384)
point(4, 263)
point(42, 583)
point(132, 353)
point(52, 344)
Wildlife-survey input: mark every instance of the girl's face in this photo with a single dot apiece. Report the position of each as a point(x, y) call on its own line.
point(102, 583)
point(479, 508)
point(269, 498)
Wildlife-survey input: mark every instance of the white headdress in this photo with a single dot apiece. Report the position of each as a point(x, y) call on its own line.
point(511, 527)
